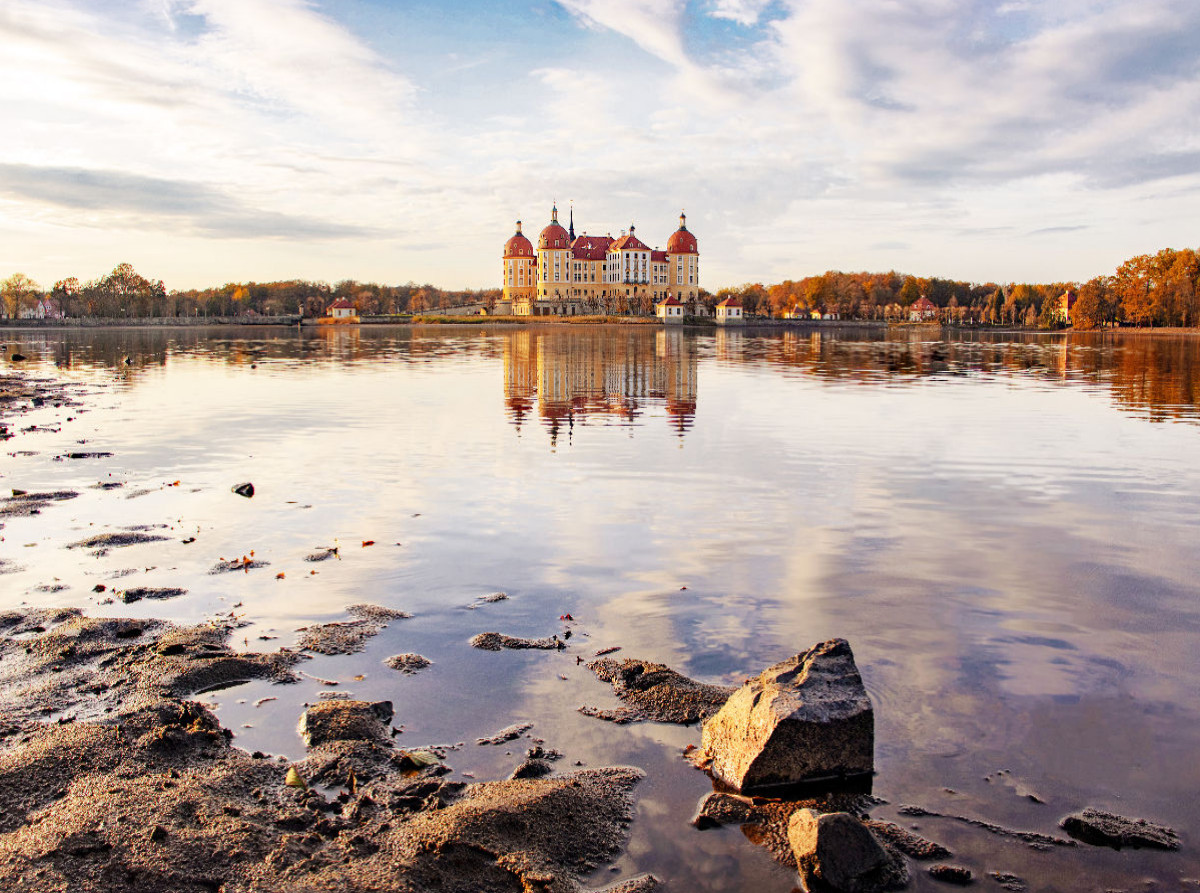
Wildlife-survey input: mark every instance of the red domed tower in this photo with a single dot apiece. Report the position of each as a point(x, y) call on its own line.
point(683, 264)
point(520, 269)
point(553, 261)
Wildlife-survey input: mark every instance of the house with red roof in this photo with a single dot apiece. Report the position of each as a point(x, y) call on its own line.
point(669, 310)
point(729, 311)
point(341, 309)
point(922, 310)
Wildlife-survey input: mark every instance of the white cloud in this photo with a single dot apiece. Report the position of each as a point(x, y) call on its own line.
point(744, 12)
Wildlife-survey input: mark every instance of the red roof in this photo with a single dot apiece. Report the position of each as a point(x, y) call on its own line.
point(923, 303)
point(659, 257)
point(670, 301)
point(629, 242)
point(554, 236)
point(732, 301)
point(590, 247)
point(518, 246)
point(682, 242)
point(341, 304)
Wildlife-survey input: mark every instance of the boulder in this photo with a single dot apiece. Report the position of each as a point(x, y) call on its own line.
point(836, 851)
point(805, 719)
point(1100, 828)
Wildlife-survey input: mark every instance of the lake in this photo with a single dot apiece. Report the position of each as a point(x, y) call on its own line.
point(1005, 527)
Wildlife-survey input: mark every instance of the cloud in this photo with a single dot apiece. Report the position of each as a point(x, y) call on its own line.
point(206, 210)
point(744, 12)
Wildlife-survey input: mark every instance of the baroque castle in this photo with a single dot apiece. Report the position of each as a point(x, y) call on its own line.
point(571, 275)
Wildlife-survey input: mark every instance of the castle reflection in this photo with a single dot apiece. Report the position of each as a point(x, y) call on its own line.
point(615, 374)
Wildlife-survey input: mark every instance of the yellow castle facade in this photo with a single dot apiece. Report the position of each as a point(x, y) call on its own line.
point(569, 275)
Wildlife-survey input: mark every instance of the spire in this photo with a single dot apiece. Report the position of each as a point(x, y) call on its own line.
point(682, 220)
point(571, 228)
point(554, 213)
point(518, 227)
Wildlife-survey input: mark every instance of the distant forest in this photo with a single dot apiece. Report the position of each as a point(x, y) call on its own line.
point(1162, 289)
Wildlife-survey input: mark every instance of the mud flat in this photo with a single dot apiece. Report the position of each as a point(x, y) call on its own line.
point(112, 779)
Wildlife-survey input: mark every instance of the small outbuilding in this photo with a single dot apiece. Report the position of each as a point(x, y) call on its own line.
point(669, 310)
point(341, 309)
point(729, 311)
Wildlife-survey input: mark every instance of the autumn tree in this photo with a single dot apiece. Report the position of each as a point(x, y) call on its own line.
point(910, 292)
point(66, 294)
point(1093, 307)
point(19, 293)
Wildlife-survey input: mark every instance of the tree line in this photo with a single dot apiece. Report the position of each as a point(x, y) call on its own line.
point(1162, 289)
point(124, 293)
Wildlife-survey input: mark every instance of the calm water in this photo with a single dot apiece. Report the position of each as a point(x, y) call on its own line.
point(1005, 530)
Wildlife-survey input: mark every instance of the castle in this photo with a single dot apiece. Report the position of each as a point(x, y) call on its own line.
point(573, 275)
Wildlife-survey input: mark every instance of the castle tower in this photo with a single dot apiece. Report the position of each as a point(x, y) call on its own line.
point(553, 261)
point(520, 270)
point(683, 265)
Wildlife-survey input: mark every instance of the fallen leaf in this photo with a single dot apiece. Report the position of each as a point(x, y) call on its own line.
point(418, 759)
point(368, 543)
point(293, 779)
point(279, 576)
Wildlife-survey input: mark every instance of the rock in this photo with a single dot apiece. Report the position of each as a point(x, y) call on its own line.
point(805, 719)
point(129, 596)
point(1101, 828)
point(532, 768)
point(951, 874)
point(407, 663)
point(718, 808)
point(838, 851)
point(346, 720)
point(912, 845)
point(246, 489)
point(508, 733)
point(642, 883)
point(1009, 881)
point(499, 641)
point(655, 692)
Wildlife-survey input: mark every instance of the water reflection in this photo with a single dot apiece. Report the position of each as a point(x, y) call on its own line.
point(606, 373)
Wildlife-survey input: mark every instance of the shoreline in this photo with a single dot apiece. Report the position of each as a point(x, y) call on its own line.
point(500, 322)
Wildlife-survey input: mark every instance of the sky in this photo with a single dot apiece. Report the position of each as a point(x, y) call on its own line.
point(212, 141)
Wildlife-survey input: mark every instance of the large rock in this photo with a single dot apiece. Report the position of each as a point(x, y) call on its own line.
point(836, 851)
point(1100, 828)
point(805, 719)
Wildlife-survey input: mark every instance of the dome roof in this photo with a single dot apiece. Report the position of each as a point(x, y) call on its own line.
point(554, 236)
point(682, 241)
point(518, 245)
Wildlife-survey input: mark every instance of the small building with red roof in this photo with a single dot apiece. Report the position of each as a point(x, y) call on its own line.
point(922, 310)
point(669, 310)
point(730, 311)
point(341, 309)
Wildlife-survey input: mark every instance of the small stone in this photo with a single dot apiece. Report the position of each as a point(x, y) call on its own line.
point(951, 874)
point(246, 489)
point(407, 663)
point(158, 834)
